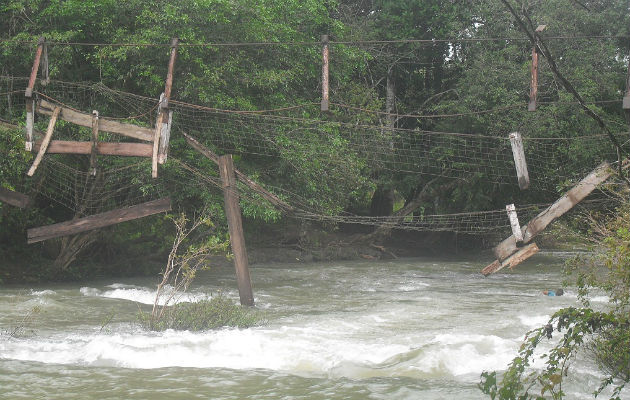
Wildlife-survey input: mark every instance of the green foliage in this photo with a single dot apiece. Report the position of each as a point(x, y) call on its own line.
point(218, 312)
point(604, 335)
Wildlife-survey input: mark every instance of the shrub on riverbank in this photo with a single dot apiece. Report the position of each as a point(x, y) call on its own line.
point(218, 312)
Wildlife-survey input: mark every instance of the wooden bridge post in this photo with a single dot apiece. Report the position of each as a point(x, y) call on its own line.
point(533, 90)
point(325, 84)
point(626, 97)
point(162, 125)
point(235, 225)
point(518, 152)
point(30, 106)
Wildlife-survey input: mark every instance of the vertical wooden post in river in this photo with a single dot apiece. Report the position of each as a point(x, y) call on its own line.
point(235, 225)
point(163, 123)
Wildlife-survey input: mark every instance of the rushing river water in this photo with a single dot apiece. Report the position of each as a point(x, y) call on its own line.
point(405, 329)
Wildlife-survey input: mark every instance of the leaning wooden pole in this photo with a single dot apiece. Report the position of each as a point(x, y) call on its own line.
point(235, 225)
point(264, 193)
point(508, 253)
point(30, 106)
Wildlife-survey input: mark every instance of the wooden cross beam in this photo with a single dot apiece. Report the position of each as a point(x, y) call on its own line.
point(14, 198)
point(98, 220)
point(104, 124)
point(45, 141)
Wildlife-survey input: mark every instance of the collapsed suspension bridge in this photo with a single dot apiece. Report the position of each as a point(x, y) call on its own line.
point(101, 190)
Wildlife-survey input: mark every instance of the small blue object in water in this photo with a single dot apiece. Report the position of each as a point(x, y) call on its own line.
point(551, 293)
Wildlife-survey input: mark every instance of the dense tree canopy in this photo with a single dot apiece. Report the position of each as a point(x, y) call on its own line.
point(423, 96)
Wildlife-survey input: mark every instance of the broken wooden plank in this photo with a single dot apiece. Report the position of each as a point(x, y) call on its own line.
point(557, 209)
point(105, 125)
point(14, 198)
point(103, 148)
point(518, 152)
point(45, 142)
point(98, 220)
point(264, 193)
point(512, 261)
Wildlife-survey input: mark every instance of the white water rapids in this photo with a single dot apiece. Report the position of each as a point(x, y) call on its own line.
point(405, 329)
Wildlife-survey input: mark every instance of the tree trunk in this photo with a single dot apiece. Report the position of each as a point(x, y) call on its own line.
point(383, 198)
point(71, 247)
point(425, 194)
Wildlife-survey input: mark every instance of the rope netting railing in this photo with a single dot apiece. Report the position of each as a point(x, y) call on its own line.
point(277, 133)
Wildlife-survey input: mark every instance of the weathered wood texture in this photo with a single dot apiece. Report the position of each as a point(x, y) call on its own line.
point(235, 226)
point(105, 125)
point(626, 97)
point(163, 123)
point(557, 209)
point(30, 123)
point(35, 68)
point(518, 151)
point(98, 220)
point(512, 261)
point(45, 141)
point(325, 75)
point(264, 193)
point(516, 227)
point(533, 90)
point(103, 148)
point(94, 149)
point(13, 198)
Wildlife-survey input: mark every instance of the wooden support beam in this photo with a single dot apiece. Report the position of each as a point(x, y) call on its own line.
point(45, 142)
point(98, 220)
point(102, 148)
point(533, 89)
point(518, 151)
point(105, 125)
point(14, 198)
point(30, 106)
point(30, 124)
point(38, 55)
point(45, 67)
point(94, 149)
point(235, 225)
point(325, 75)
point(626, 97)
point(165, 133)
point(556, 210)
point(162, 125)
point(516, 227)
point(512, 261)
point(264, 193)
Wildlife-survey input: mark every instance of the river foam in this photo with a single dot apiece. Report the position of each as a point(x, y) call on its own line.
point(140, 294)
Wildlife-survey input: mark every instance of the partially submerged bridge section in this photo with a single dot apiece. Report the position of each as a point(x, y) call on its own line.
point(512, 251)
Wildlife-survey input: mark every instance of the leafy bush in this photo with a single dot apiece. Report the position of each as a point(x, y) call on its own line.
point(604, 335)
point(215, 313)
